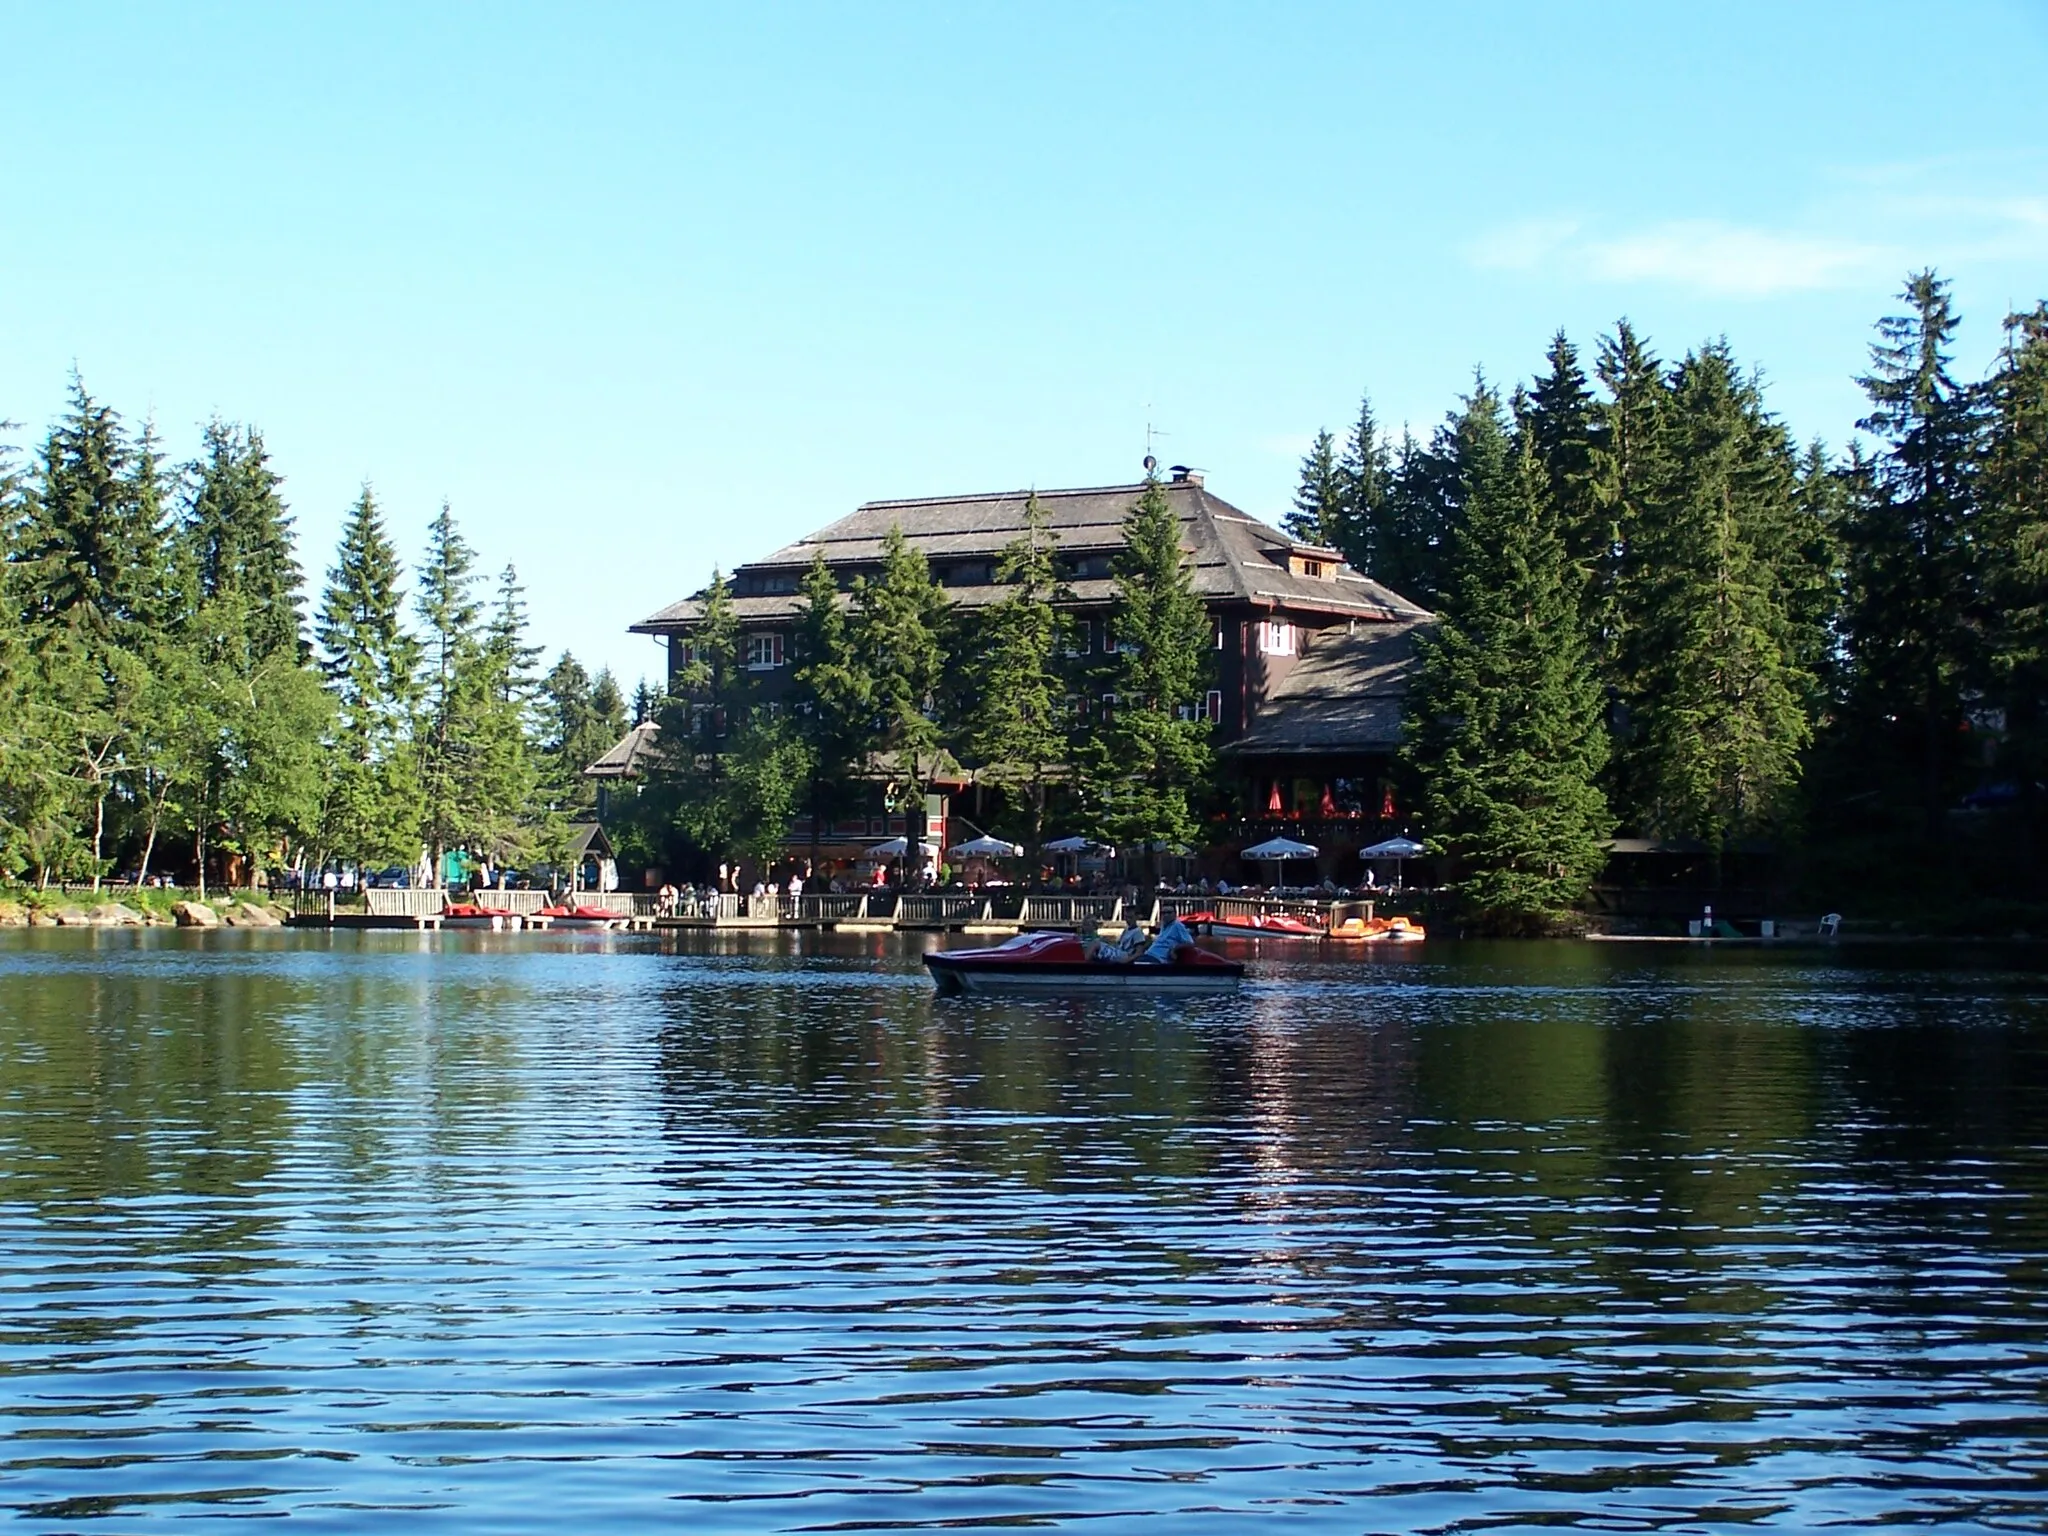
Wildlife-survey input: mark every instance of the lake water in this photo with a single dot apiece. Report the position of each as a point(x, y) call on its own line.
point(470, 1232)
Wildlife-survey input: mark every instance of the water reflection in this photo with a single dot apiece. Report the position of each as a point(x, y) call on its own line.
point(505, 1233)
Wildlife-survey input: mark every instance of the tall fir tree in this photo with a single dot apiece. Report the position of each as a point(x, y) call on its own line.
point(2014, 496)
point(371, 803)
point(688, 790)
point(1720, 712)
point(447, 607)
point(832, 695)
point(1506, 718)
point(1915, 582)
point(239, 535)
point(1560, 419)
point(1319, 498)
point(1018, 727)
point(93, 538)
point(1366, 473)
point(1146, 769)
point(900, 628)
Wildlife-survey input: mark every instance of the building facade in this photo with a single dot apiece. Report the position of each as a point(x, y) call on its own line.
point(1312, 658)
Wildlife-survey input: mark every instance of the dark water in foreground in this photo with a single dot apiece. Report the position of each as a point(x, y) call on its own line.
point(483, 1233)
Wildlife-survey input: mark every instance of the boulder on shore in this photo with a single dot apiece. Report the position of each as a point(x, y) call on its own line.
point(72, 917)
point(13, 915)
point(248, 915)
point(115, 914)
point(194, 914)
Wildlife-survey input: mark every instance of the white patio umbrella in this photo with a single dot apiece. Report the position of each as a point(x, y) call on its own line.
point(882, 853)
point(1277, 850)
point(1399, 849)
point(985, 848)
point(1274, 849)
point(1394, 848)
point(1075, 845)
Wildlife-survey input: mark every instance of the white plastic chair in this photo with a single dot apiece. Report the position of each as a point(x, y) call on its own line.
point(1831, 925)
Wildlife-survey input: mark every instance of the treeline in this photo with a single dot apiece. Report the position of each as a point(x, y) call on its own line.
point(890, 682)
point(165, 704)
point(1661, 616)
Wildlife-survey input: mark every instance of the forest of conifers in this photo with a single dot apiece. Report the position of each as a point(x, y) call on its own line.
point(1661, 617)
point(165, 705)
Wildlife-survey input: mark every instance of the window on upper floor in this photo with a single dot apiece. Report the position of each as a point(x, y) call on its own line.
point(1278, 637)
point(764, 651)
point(1077, 637)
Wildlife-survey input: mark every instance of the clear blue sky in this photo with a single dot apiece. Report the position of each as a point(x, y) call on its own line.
point(645, 290)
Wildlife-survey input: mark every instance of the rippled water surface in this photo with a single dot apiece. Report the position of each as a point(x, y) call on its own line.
point(490, 1233)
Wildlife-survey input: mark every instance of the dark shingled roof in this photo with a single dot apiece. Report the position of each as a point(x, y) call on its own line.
point(629, 756)
point(1234, 556)
point(1344, 694)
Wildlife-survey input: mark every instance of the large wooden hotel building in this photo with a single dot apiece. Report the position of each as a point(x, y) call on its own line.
point(1312, 657)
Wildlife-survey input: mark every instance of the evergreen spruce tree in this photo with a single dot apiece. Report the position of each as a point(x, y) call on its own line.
point(688, 786)
point(1319, 499)
point(372, 804)
point(239, 535)
point(2014, 496)
point(1631, 470)
point(256, 713)
point(494, 783)
point(1424, 507)
point(1147, 768)
point(832, 695)
point(1366, 504)
point(1720, 718)
point(899, 625)
point(447, 608)
point(1560, 419)
point(92, 539)
point(1505, 720)
point(574, 736)
point(1018, 726)
point(1915, 608)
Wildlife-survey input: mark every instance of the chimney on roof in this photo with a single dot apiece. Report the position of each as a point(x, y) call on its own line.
point(1182, 475)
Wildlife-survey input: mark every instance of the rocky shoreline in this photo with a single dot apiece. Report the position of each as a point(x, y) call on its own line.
point(118, 914)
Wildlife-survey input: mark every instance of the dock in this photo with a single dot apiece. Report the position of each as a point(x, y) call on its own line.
point(992, 915)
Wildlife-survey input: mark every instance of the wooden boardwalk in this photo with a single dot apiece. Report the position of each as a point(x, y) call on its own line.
point(993, 915)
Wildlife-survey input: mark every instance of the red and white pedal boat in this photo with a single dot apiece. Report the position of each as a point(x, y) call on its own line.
point(1263, 925)
point(470, 915)
point(588, 919)
point(1064, 962)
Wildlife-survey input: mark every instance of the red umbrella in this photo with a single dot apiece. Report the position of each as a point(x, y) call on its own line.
point(1273, 803)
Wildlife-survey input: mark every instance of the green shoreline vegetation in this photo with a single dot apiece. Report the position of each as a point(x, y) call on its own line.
point(1660, 618)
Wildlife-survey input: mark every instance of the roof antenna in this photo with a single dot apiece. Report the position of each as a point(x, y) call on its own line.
point(1151, 432)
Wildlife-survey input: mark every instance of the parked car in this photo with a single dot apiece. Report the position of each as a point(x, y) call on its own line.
point(394, 877)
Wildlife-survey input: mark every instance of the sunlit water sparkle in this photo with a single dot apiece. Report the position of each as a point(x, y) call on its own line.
point(493, 1232)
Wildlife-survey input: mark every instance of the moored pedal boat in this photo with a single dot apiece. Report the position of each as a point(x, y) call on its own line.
point(470, 915)
point(1377, 930)
point(1264, 925)
point(1064, 962)
point(581, 917)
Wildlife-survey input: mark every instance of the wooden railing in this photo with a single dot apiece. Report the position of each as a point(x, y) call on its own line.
point(831, 909)
point(1169, 907)
point(1070, 911)
point(935, 911)
point(403, 901)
